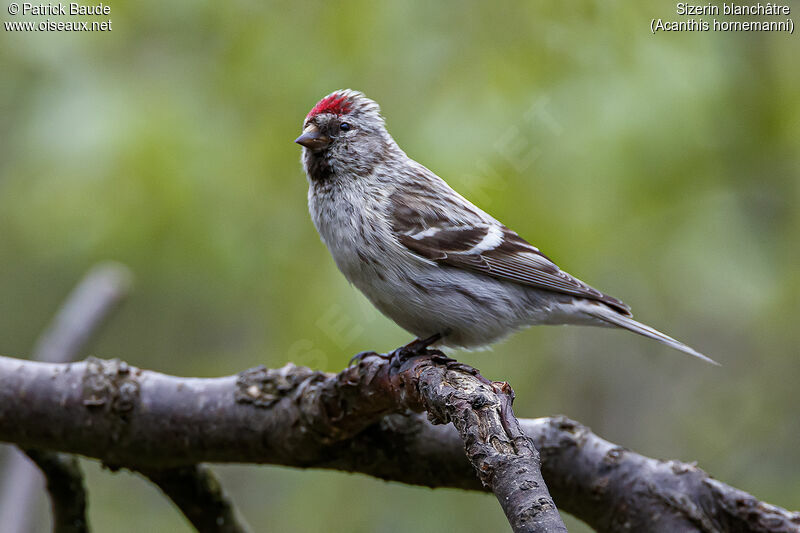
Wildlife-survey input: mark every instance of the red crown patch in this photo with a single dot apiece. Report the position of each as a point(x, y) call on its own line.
point(338, 105)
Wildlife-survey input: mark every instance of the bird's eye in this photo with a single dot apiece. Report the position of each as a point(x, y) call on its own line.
point(344, 126)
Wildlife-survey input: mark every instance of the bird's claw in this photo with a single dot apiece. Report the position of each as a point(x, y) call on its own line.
point(413, 349)
point(403, 353)
point(360, 356)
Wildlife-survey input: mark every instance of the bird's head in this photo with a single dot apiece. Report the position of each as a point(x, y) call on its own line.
point(345, 134)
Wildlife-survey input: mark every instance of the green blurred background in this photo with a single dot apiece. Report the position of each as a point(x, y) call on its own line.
point(663, 169)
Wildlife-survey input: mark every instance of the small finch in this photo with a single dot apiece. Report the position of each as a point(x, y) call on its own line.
point(426, 257)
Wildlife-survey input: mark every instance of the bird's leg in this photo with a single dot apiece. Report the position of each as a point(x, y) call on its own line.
point(415, 347)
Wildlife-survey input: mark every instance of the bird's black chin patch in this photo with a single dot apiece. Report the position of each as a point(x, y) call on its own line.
point(318, 165)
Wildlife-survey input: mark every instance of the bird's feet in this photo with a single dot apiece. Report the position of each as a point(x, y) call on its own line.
point(412, 349)
point(402, 354)
point(360, 356)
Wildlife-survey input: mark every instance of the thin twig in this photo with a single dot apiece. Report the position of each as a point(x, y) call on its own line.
point(65, 486)
point(83, 313)
point(196, 492)
point(75, 324)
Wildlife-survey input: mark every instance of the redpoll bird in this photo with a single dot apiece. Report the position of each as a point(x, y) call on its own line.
point(425, 256)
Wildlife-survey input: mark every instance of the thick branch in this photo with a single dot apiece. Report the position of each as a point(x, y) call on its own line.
point(334, 408)
point(143, 419)
point(620, 490)
point(505, 459)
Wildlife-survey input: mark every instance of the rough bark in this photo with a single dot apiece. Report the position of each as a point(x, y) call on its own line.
point(620, 490)
point(345, 404)
point(298, 417)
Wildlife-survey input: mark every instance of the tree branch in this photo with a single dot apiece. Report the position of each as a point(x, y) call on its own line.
point(65, 486)
point(196, 492)
point(79, 318)
point(193, 489)
point(620, 490)
point(334, 408)
point(450, 392)
point(144, 420)
point(85, 310)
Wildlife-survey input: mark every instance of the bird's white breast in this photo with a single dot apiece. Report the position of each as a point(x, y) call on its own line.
point(349, 224)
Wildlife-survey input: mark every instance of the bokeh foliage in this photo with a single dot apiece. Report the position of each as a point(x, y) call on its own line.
point(662, 169)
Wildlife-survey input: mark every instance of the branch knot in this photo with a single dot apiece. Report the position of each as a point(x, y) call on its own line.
point(264, 387)
point(110, 385)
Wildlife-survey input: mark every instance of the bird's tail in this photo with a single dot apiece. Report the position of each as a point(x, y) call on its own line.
point(614, 318)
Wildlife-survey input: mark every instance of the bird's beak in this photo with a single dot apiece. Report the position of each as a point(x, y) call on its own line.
point(312, 138)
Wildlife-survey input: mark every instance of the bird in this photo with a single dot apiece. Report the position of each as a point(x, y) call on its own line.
point(426, 257)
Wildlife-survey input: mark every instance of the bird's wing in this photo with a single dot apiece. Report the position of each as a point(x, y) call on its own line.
point(461, 236)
